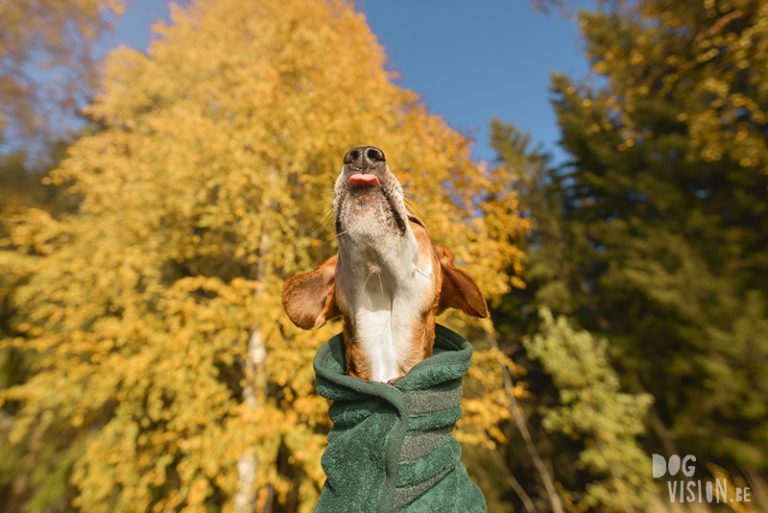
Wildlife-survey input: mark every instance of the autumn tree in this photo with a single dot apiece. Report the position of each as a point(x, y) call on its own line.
point(21, 188)
point(166, 372)
point(47, 62)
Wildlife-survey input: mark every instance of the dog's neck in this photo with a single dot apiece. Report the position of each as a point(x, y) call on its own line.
point(387, 280)
point(385, 284)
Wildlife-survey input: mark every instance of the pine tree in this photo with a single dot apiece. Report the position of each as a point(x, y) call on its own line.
point(659, 239)
point(581, 420)
point(167, 376)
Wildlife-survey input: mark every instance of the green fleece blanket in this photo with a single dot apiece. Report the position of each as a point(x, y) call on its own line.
point(391, 448)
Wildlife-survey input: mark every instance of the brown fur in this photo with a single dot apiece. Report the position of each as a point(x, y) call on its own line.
point(380, 239)
point(309, 300)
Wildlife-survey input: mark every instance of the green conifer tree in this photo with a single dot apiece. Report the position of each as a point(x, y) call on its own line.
point(654, 233)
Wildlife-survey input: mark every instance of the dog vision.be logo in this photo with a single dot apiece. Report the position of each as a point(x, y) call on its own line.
point(684, 488)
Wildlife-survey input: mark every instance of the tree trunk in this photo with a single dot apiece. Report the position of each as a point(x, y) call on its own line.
point(255, 379)
point(248, 463)
point(519, 418)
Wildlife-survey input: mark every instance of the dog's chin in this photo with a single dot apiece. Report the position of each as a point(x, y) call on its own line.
point(367, 214)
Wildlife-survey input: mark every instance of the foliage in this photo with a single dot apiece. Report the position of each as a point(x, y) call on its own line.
point(22, 178)
point(591, 408)
point(709, 58)
point(581, 420)
point(675, 235)
point(146, 364)
point(20, 189)
point(46, 61)
point(163, 364)
point(653, 232)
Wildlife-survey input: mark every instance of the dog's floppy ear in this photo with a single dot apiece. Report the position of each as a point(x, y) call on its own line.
point(458, 289)
point(309, 298)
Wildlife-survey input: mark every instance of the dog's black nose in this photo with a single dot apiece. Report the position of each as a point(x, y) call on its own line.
point(364, 156)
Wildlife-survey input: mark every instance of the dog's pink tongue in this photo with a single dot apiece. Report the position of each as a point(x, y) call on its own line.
point(361, 180)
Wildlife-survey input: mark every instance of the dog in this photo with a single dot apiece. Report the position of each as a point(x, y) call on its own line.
point(387, 280)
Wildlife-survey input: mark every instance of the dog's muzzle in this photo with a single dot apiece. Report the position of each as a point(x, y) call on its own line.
point(366, 171)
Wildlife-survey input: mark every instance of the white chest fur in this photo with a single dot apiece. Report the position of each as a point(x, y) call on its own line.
point(386, 304)
point(384, 343)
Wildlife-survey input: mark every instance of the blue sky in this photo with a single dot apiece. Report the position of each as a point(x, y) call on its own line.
point(469, 61)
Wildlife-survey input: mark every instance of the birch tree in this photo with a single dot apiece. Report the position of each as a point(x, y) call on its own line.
point(165, 366)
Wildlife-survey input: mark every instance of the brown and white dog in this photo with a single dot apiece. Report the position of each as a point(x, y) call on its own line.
point(388, 281)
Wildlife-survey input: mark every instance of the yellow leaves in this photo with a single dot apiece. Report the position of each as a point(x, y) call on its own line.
point(626, 144)
point(714, 70)
point(708, 55)
point(600, 67)
point(208, 186)
point(31, 231)
point(636, 58)
point(486, 404)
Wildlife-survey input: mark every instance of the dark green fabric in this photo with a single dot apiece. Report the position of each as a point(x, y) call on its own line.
point(391, 448)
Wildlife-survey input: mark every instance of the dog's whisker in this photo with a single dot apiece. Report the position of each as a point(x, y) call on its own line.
point(365, 283)
point(330, 239)
point(412, 207)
